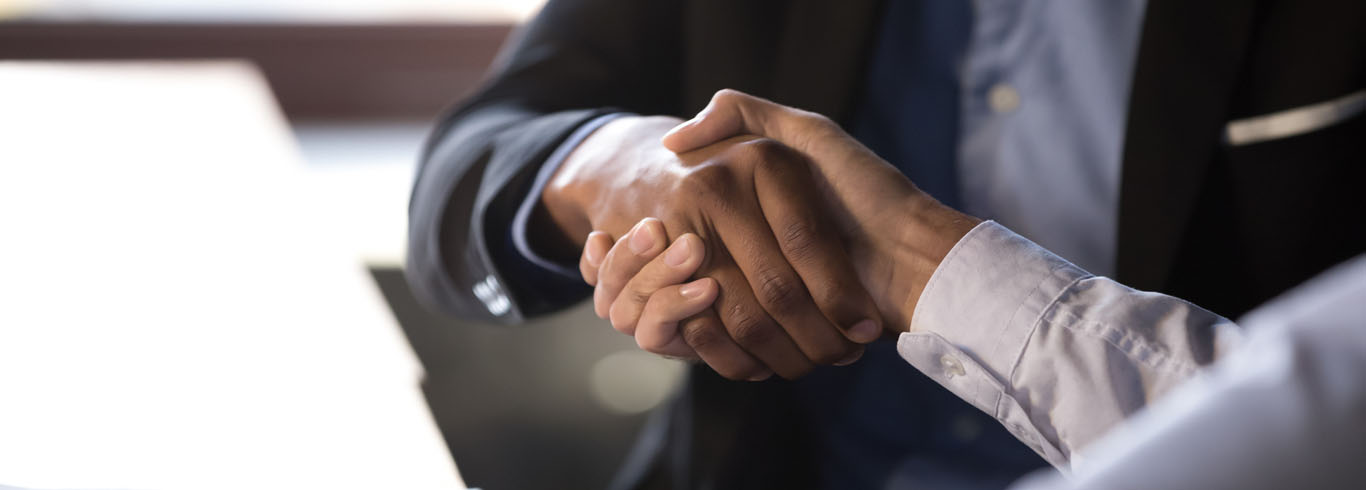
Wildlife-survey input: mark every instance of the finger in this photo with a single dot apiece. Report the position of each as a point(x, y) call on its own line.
point(784, 185)
point(749, 323)
point(706, 335)
point(775, 286)
point(594, 251)
point(672, 267)
point(657, 330)
point(636, 248)
point(732, 113)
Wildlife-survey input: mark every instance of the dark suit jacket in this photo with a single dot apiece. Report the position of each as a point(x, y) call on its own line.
point(1225, 227)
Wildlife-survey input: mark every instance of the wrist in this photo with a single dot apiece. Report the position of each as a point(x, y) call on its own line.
point(563, 202)
point(610, 160)
point(567, 193)
point(929, 231)
point(556, 222)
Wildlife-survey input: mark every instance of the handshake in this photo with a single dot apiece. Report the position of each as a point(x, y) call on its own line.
point(773, 242)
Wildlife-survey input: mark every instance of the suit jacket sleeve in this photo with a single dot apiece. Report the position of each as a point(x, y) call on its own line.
point(575, 61)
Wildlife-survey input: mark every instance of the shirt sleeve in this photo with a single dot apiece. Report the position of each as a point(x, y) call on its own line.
point(1057, 355)
point(1283, 411)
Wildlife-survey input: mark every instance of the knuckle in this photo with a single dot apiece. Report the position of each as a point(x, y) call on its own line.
point(700, 334)
point(749, 331)
point(818, 121)
point(727, 95)
point(708, 181)
point(631, 297)
point(611, 277)
point(600, 304)
point(653, 346)
point(629, 305)
point(621, 323)
point(815, 128)
point(778, 293)
point(799, 238)
point(755, 335)
point(834, 298)
point(767, 152)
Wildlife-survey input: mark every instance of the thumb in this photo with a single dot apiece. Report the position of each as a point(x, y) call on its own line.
point(733, 113)
point(730, 113)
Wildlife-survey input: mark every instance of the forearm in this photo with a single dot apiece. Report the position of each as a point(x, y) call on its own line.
point(924, 232)
point(1057, 355)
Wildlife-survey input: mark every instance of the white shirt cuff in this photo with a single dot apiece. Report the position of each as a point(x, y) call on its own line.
point(988, 292)
point(975, 317)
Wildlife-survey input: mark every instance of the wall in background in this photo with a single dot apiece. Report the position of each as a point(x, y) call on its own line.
point(318, 71)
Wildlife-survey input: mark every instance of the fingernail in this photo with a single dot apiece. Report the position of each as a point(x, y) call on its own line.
point(851, 359)
point(642, 240)
point(678, 253)
point(761, 376)
point(693, 289)
point(594, 252)
point(864, 331)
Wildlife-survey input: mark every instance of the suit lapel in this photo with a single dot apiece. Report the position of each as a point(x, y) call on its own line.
point(1188, 60)
point(823, 55)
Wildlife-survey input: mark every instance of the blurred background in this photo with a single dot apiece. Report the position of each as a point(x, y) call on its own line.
point(202, 221)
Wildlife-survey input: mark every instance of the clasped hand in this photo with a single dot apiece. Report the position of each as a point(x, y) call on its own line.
point(802, 243)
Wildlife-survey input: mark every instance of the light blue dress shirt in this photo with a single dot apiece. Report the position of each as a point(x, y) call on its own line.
point(1045, 92)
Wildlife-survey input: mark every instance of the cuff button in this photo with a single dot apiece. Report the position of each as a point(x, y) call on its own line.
point(952, 367)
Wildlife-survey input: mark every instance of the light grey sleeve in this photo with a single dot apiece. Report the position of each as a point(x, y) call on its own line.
point(1285, 410)
point(1057, 355)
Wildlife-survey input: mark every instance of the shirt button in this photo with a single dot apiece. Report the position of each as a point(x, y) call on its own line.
point(1003, 98)
point(951, 366)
